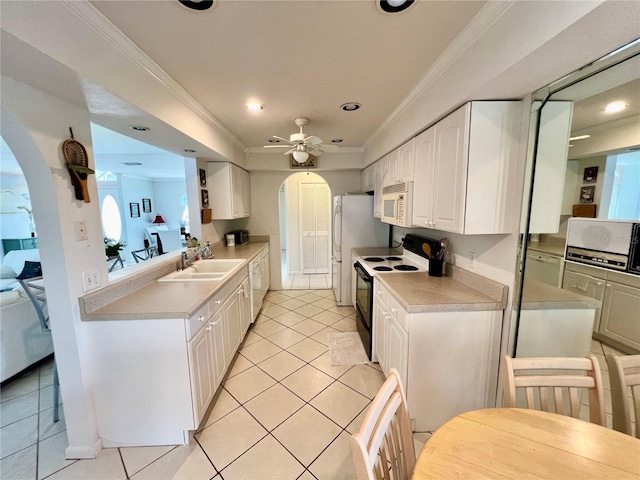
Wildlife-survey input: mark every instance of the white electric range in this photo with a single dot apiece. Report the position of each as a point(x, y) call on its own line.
point(413, 259)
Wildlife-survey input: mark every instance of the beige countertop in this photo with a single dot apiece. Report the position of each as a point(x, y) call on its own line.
point(541, 296)
point(550, 246)
point(461, 291)
point(141, 297)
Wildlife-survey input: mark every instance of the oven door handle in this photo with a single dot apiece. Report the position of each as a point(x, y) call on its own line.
point(362, 273)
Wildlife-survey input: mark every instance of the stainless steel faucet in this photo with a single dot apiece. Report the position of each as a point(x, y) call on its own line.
point(204, 251)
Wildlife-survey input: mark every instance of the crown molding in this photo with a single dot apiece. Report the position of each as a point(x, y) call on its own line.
point(102, 26)
point(270, 150)
point(486, 17)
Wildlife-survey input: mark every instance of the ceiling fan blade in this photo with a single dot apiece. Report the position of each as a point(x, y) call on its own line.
point(276, 146)
point(286, 140)
point(290, 151)
point(313, 140)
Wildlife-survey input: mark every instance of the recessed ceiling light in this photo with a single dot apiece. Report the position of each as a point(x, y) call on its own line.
point(139, 128)
point(273, 140)
point(393, 6)
point(197, 4)
point(254, 106)
point(336, 140)
point(350, 107)
point(189, 150)
point(580, 137)
point(132, 164)
point(614, 107)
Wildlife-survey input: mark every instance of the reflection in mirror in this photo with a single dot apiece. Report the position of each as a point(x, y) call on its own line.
point(581, 203)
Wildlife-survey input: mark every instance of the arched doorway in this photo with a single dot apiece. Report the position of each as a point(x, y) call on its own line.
point(305, 232)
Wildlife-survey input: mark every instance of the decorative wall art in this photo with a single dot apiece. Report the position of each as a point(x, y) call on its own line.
point(205, 198)
point(312, 162)
point(590, 175)
point(146, 205)
point(134, 209)
point(587, 194)
point(203, 177)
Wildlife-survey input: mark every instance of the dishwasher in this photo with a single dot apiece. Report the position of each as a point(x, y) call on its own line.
point(544, 268)
point(260, 281)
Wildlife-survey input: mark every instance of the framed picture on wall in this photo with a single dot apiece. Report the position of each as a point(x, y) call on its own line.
point(135, 209)
point(146, 205)
point(587, 194)
point(203, 177)
point(205, 198)
point(590, 175)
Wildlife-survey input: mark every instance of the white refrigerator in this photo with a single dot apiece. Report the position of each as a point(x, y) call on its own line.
point(353, 226)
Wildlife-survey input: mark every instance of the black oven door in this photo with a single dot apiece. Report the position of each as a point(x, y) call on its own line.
point(364, 305)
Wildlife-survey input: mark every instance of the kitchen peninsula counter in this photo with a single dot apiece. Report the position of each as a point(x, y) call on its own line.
point(140, 296)
point(541, 296)
point(460, 291)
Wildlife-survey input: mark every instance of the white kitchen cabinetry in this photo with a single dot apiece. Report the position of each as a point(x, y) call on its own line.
point(378, 174)
point(588, 286)
point(474, 157)
point(367, 179)
point(424, 147)
point(400, 165)
point(390, 338)
point(154, 379)
point(620, 318)
point(617, 321)
point(229, 191)
point(448, 361)
point(550, 168)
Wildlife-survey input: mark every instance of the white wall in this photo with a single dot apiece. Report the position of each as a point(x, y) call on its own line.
point(34, 126)
point(265, 188)
point(133, 190)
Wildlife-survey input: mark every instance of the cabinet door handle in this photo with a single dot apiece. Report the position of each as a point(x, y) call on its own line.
point(201, 318)
point(218, 302)
point(394, 310)
point(209, 328)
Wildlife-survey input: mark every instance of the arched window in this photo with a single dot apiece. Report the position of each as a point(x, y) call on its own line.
point(111, 218)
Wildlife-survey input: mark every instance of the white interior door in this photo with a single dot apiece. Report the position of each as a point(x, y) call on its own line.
point(315, 226)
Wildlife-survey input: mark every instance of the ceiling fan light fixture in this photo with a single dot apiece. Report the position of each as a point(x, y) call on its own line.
point(394, 6)
point(300, 156)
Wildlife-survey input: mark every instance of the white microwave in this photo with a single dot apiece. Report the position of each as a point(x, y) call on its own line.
point(396, 204)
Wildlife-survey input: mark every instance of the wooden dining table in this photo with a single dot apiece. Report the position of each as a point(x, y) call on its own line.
point(519, 443)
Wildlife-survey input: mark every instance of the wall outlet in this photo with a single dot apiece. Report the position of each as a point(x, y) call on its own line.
point(472, 259)
point(81, 230)
point(91, 279)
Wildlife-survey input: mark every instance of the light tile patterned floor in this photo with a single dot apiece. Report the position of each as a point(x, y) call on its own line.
point(284, 412)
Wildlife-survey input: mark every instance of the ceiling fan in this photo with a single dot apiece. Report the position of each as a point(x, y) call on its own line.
point(302, 145)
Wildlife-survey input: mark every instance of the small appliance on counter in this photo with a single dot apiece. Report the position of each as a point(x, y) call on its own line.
point(237, 237)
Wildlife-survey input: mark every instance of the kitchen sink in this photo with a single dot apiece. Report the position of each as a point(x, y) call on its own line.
point(204, 271)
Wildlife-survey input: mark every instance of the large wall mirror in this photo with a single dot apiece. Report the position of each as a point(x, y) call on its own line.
point(583, 183)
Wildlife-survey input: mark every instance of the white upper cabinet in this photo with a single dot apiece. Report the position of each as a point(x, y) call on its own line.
point(399, 165)
point(229, 191)
point(466, 165)
point(424, 148)
point(367, 179)
point(551, 167)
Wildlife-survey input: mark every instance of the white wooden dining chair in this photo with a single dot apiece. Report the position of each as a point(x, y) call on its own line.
point(553, 384)
point(624, 375)
point(383, 448)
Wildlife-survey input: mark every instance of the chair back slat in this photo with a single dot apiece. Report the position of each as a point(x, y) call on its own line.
point(624, 375)
point(554, 384)
point(383, 448)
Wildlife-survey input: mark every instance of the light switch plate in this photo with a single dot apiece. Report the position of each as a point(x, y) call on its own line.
point(91, 279)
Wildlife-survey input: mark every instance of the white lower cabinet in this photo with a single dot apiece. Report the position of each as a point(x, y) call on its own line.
point(153, 380)
point(201, 363)
point(447, 361)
